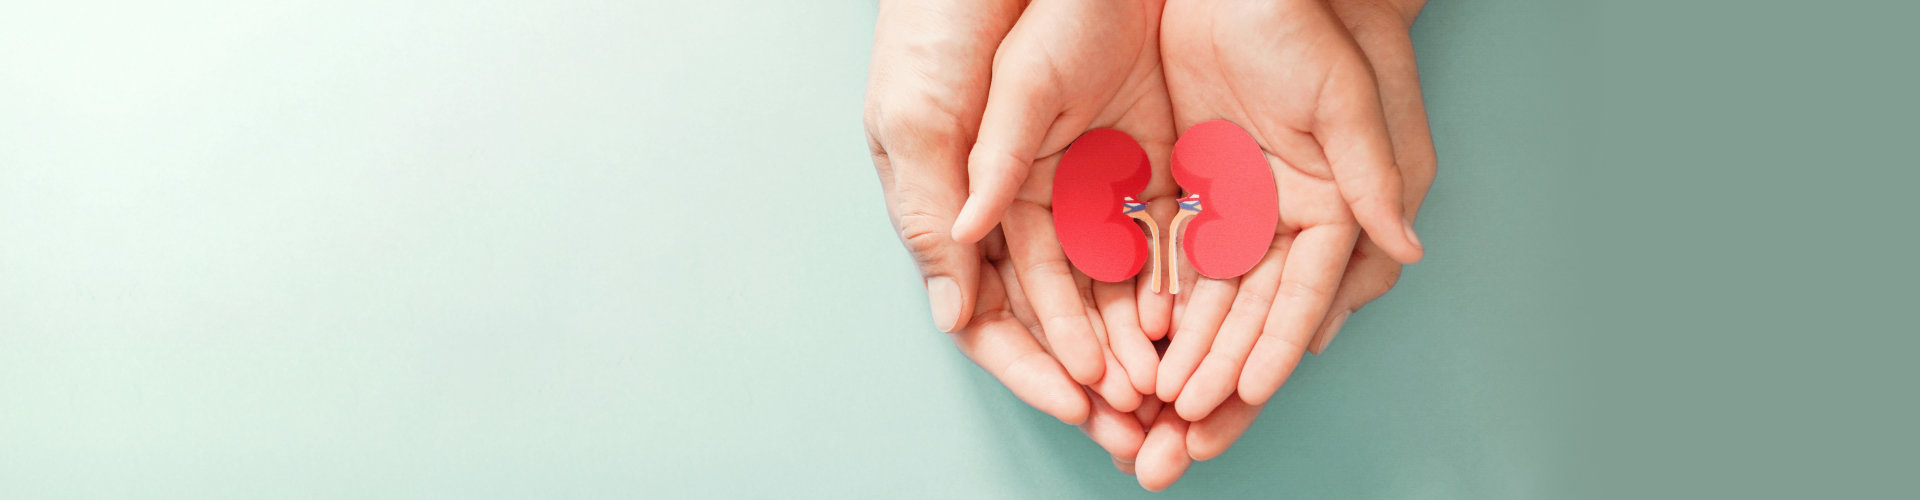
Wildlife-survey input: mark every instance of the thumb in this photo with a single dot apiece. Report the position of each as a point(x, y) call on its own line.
point(1352, 128)
point(924, 187)
point(1022, 104)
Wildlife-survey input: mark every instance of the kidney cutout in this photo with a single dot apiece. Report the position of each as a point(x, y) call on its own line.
point(1238, 199)
point(1092, 194)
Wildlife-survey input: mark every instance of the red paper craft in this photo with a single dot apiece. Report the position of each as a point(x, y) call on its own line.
point(1093, 191)
point(1229, 212)
point(1217, 163)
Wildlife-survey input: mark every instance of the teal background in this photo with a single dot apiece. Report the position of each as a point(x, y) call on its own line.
point(374, 249)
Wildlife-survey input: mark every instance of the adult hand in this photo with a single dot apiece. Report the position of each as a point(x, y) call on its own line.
point(927, 92)
point(1289, 72)
point(1004, 339)
point(1380, 27)
point(1066, 67)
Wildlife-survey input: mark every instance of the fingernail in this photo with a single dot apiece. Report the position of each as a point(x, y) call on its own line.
point(1333, 328)
point(944, 295)
point(1408, 224)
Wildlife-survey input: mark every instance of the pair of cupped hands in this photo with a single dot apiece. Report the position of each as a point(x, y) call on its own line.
point(970, 105)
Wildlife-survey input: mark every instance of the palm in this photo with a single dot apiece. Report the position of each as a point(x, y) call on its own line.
point(1066, 67)
point(1282, 106)
point(1283, 71)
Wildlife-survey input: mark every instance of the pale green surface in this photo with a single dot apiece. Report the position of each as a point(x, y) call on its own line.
point(593, 249)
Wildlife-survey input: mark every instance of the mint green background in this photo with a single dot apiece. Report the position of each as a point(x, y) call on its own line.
point(602, 249)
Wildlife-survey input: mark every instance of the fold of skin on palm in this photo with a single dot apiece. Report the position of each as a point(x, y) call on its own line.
point(1380, 30)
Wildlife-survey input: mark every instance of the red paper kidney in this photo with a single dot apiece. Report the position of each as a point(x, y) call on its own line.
point(1091, 187)
point(1240, 202)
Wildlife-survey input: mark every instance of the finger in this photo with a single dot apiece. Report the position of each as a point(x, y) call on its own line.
point(1022, 105)
point(1406, 112)
point(1204, 311)
point(1017, 302)
point(1006, 350)
point(1372, 273)
point(1163, 456)
point(1114, 386)
point(1048, 282)
point(1315, 262)
point(1352, 130)
point(1114, 430)
point(923, 191)
point(1149, 410)
point(1125, 466)
point(1369, 275)
point(1209, 438)
point(1118, 310)
point(1219, 372)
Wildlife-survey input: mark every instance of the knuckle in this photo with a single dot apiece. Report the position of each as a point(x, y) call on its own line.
point(1046, 269)
point(1298, 291)
point(924, 234)
point(1283, 342)
point(916, 127)
point(1248, 300)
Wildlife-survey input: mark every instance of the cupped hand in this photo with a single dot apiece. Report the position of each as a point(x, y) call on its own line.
point(1290, 73)
point(1003, 338)
point(1380, 29)
point(1066, 67)
point(927, 93)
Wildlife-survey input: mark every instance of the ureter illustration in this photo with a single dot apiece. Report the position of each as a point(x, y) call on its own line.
point(1138, 211)
point(1189, 207)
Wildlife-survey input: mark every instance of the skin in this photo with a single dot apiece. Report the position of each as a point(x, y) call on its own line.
point(958, 91)
point(1069, 66)
point(928, 92)
point(1379, 28)
point(1290, 73)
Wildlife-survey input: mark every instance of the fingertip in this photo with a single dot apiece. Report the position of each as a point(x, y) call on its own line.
point(1255, 392)
point(1163, 456)
point(1395, 235)
point(1082, 358)
point(971, 226)
point(1038, 380)
point(1417, 251)
point(1202, 449)
point(1118, 392)
point(1115, 431)
point(1070, 410)
point(1167, 385)
point(1193, 409)
point(1208, 439)
point(994, 177)
point(1143, 381)
point(947, 303)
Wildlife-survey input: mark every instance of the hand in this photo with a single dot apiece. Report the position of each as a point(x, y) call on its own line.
point(1290, 73)
point(927, 92)
point(1003, 339)
point(1068, 66)
point(1380, 27)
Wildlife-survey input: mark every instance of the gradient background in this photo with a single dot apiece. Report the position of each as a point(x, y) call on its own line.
point(377, 249)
